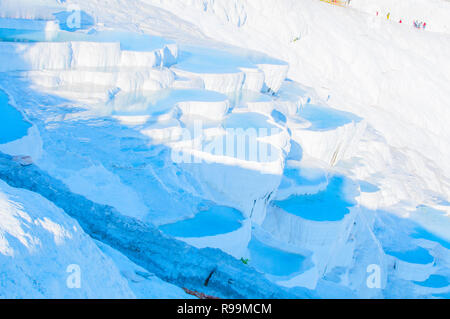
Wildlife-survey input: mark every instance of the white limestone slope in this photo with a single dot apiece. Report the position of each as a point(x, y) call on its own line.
point(40, 245)
point(391, 75)
point(435, 12)
point(38, 242)
point(28, 145)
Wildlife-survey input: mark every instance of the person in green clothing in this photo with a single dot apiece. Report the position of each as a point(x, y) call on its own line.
point(388, 15)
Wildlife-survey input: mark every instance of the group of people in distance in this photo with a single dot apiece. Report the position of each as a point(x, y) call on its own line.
point(417, 24)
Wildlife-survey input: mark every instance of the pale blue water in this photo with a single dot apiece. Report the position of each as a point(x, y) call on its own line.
point(86, 20)
point(273, 261)
point(194, 59)
point(207, 60)
point(159, 102)
point(12, 124)
point(13, 35)
point(424, 234)
point(249, 120)
point(417, 256)
point(445, 295)
point(325, 118)
point(327, 205)
point(246, 96)
point(427, 216)
point(128, 40)
point(215, 221)
point(204, 60)
point(443, 202)
point(278, 117)
point(293, 176)
point(434, 281)
point(368, 187)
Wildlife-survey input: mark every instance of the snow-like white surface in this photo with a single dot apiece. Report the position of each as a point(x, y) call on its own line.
point(38, 242)
point(434, 13)
point(381, 71)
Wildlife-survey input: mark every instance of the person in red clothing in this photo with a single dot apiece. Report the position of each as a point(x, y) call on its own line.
point(424, 25)
point(400, 21)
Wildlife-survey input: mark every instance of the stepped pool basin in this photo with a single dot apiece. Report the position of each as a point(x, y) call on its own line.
point(214, 221)
point(324, 118)
point(421, 233)
point(160, 102)
point(367, 187)
point(434, 281)
point(330, 204)
point(416, 256)
point(12, 124)
point(302, 177)
point(207, 60)
point(129, 41)
point(273, 261)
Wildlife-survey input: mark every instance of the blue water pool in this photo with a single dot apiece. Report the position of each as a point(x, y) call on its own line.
point(422, 233)
point(13, 35)
point(249, 120)
point(434, 281)
point(129, 41)
point(368, 187)
point(445, 295)
point(327, 205)
point(207, 60)
point(325, 118)
point(214, 221)
point(159, 102)
point(416, 256)
point(311, 177)
point(273, 261)
point(12, 124)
